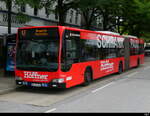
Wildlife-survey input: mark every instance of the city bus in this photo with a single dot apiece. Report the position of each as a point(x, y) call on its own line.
point(63, 57)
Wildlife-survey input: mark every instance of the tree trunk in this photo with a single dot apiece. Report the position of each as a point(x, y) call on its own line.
point(61, 13)
point(87, 18)
point(105, 22)
point(9, 5)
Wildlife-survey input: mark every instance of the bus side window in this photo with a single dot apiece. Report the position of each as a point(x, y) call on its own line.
point(89, 50)
point(70, 50)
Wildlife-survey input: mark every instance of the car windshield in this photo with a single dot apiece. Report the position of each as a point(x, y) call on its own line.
point(37, 49)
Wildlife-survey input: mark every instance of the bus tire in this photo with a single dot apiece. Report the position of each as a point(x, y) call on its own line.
point(120, 68)
point(87, 77)
point(138, 63)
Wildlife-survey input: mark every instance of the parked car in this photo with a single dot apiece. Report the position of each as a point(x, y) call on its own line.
point(147, 50)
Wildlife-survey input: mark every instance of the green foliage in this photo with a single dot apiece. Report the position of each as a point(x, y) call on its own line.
point(146, 37)
point(32, 3)
point(136, 16)
point(23, 18)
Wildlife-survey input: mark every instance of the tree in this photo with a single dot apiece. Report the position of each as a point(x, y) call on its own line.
point(123, 16)
point(61, 9)
point(127, 17)
point(89, 12)
point(135, 17)
point(108, 11)
point(9, 5)
point(58, 7)
point(143, 16)
point(111, 12)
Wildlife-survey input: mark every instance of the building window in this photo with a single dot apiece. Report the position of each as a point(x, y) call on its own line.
point(71, 16)
point(35, 11)
point(56, 16)
point(77, 16)
point(23, 8)
point(47, 12)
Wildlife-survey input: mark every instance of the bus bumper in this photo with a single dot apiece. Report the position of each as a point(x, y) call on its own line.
point(47, 85)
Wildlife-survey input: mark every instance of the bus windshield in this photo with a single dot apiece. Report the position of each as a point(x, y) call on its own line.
point(37, 49)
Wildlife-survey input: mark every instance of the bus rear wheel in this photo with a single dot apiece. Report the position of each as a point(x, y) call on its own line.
point(138, 63)
point(87, 77)
point(120, 68)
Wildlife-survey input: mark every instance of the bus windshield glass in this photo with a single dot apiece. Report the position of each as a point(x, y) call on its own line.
point(37, 49)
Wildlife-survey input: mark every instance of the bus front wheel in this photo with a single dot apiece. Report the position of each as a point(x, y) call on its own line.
point(87, 77)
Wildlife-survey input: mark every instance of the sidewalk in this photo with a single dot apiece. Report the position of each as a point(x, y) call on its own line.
point(7, 84)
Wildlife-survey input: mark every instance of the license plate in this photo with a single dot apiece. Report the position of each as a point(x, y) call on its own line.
point(36, 85)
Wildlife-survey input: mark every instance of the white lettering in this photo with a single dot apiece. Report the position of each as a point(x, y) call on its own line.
point(134, 43)
point(105, 41)
point(106, 66)
point(35, 75)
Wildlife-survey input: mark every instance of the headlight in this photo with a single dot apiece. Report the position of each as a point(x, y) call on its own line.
point(58, 81)
point(18, 78)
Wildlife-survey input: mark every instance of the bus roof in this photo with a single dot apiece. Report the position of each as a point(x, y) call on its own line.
point(32, 27)
point(109, 32)
point(76, 29)
point(130, 36)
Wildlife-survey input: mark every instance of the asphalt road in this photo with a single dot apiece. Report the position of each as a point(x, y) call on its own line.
point(128, 92)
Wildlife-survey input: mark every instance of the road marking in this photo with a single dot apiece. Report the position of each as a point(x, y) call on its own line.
point(51, 110)
point(96, 90)
point(129, 75)
point(132, 74)
point(147, 68)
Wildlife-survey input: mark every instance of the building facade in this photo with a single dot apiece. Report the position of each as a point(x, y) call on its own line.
point(37, 17)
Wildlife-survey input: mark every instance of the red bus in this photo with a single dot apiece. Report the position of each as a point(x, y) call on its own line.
point(63, 57)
